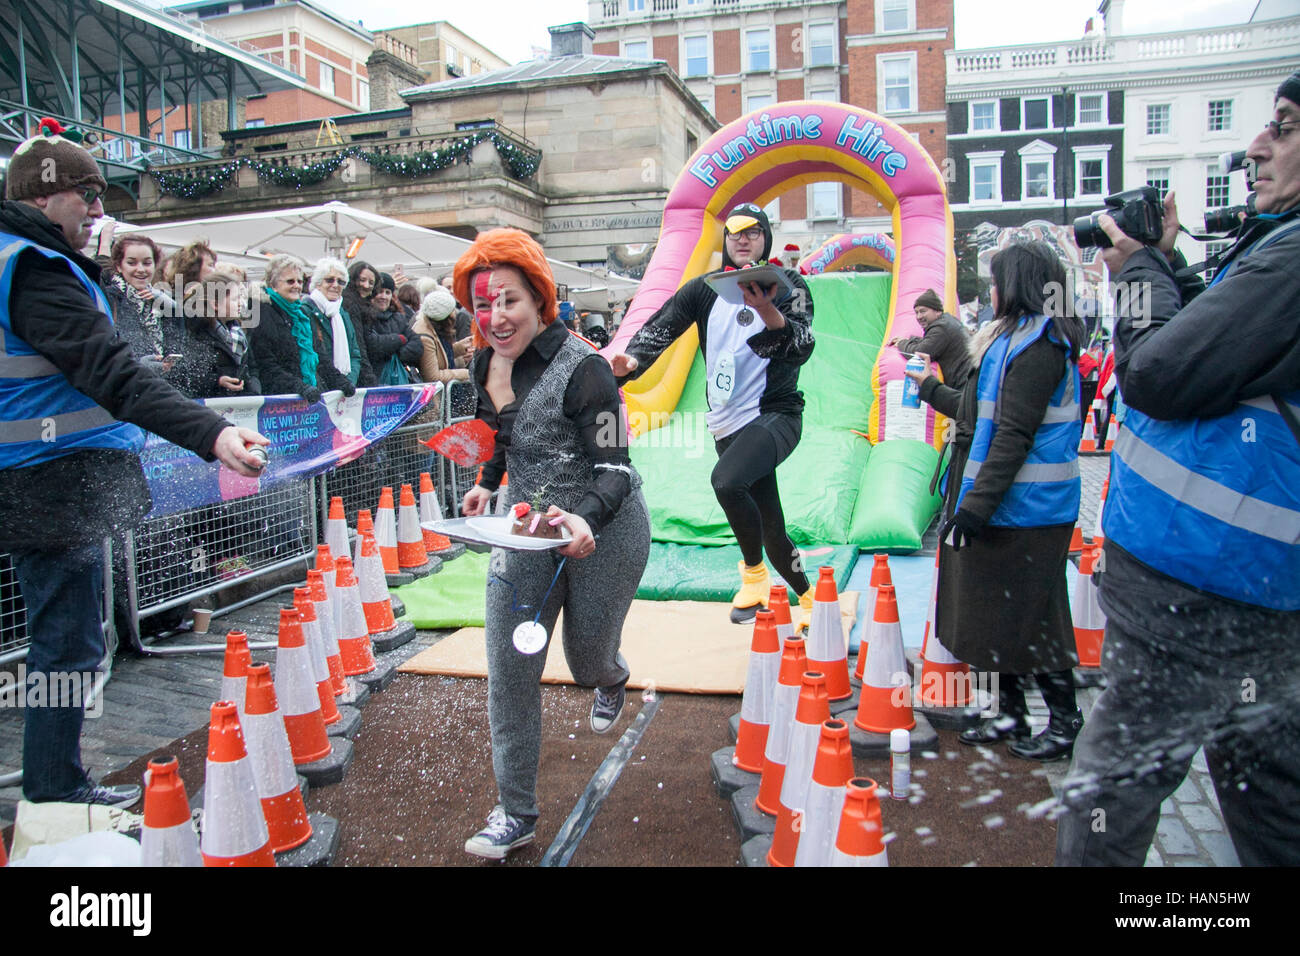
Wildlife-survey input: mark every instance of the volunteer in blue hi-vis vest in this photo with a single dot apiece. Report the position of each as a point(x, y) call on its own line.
point(1201, 586)
point(73, 402)
point(1011, 501)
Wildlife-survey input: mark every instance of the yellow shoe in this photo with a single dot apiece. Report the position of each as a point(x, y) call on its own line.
point(804, 614)
point(755, 587)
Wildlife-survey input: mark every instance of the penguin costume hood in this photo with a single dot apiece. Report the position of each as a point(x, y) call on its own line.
point(742, 217)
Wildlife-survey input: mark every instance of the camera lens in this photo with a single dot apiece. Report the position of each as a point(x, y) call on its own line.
point(1088, 233)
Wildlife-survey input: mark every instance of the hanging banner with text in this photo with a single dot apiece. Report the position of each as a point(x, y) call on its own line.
point(305, 441)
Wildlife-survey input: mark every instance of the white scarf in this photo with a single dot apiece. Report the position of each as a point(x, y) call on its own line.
point(334, 312)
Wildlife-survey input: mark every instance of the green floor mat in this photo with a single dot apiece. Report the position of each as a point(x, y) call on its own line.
point(454, 597)
point(693, 573)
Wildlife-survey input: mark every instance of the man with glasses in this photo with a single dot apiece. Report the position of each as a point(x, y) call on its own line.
point(71, 398)
point(1202, 557)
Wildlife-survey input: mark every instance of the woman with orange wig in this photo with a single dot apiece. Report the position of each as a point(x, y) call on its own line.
point(560, 432)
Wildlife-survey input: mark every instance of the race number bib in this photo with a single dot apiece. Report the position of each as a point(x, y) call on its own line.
point(723, 381)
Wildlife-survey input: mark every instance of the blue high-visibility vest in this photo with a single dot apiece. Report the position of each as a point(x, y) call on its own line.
point(1046, 488)
point(42, 416)
point(1214, 502)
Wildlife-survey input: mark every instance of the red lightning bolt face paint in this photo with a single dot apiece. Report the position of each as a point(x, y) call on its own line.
point(483, 315)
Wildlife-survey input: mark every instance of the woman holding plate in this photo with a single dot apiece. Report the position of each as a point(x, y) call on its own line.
point(561, 435)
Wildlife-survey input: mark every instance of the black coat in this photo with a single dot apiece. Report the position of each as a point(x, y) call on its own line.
point(388, 334)
point(279, 364)
point(80, 498)
point(206, 355)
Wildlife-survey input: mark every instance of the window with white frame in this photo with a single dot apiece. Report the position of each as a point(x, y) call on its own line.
point(1090, 176)
point(1158, 176)
point(821, 44)
point(827, 94)
point(254, 123)
point(636, 49)
point(181, 138)
point(1036, 113)
point(325, 78)
point(983, 116)
point(696, 58)
point(1158, 119)
point(895, 16)
point(1090, 109)
point(1218, 116)
point(985, 177)
point(363, 94)
point(758, 49)
point(896, 81)
point(1037, 171)
point(1216, 187)
point(824, 201)
point(114, 149)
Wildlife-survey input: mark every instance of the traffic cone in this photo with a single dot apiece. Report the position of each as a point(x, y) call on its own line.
point(375, 602)
point(168, 837)
point(879, 576)
point(794, 662)
point(860, 838)
point(410, 542)
point(1098, 536)
point(832, 769)
point(235, 668)
point(1076, 540)
point(945, 681)
point(812, 711)
point(234, 830)
point(386, 531)
point(1112, 432)
point(272, 759)
point(354, 637)
point(886, 701)
point(325, 565)
point(929, 616)
point(827, 649)
point(1085, 609)
point(295, 685)
point(336, 527)
point(1088, 444)
point(778, 602)
point(760, 685)
point(320, 668)
point(365, 525)
point(329, 630)
point(430, 511)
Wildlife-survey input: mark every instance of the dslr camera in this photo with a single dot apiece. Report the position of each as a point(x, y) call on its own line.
point(1137, 212)
point(1228, 219)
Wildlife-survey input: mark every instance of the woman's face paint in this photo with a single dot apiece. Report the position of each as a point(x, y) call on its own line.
point(507, 312)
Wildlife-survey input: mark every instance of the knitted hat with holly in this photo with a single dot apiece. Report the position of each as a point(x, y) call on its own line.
point(50, 162)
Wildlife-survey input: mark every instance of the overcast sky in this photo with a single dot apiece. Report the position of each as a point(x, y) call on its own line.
point(511, 28)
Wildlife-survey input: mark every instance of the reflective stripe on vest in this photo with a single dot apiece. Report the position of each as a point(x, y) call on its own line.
point(41, 415)
point(1214, 502)
point(1045, 490)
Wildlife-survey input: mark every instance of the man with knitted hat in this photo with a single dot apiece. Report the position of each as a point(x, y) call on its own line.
point(945, 339)
point(73, 402)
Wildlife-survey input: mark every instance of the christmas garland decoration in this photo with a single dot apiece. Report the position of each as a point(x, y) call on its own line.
point(520, 161)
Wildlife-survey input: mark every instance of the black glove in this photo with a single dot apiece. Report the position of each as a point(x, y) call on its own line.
point(963, 526)
point(311, 395)
point(347, 388)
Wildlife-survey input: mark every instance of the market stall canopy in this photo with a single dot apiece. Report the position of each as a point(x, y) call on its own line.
point(335, 228)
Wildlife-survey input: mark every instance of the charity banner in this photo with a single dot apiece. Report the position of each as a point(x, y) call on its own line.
point(306, 440)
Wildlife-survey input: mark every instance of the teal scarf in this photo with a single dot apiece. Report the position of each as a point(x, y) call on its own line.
point(301, 326)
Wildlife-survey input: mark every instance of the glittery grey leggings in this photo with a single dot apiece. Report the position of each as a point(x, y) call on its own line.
point(595, 593)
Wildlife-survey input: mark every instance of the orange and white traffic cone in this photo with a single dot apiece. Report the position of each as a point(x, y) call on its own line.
point(879, 576)
point(329, 630)
point(760, 684)
point(431, 511)
point(168, 837)
point(785, 699)
point(365, 525)
point(410, 541)
point(945, 681)
point(320, 668)
point(1112, 432)
point(1085, 609)
point(886, 701)
point(812, 711)
point(832, 769)
point(827, 650)
point(930, 614)
point(234, 830)
point(1098, 536)
point(272, 760)
point(354, 637)
point(1088, 444)
point(296, 688)
point(1076, 540)
point(235, 668)
point(860, 839)
point(376, 605)
point(336, 527)
point(386, 531)
point(325, 565)
point(778, 602)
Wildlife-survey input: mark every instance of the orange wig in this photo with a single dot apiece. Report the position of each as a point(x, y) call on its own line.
point(506, 247)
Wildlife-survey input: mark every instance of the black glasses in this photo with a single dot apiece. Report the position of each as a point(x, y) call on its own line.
point(1277, 130)
point(90, 194)
point(753, 234)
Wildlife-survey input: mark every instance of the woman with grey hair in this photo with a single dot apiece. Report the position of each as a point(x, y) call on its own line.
point(283, 337)
point(335, 333)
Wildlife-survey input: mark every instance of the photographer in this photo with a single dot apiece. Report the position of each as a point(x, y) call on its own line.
point(1202, 526)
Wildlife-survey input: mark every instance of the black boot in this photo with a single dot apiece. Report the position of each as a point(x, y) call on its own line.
point(1057, 741)
point(1012, 720)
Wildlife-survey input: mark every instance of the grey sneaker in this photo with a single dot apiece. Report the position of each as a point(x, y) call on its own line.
point(122, 796)
point(502, 834)
point(606, 708)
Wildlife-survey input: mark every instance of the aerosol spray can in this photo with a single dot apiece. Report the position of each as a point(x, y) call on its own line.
point(258, 452)
point(900, 763)
point(911, 387)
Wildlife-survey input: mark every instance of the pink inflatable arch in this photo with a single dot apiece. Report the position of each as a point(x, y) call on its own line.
point(850, 249)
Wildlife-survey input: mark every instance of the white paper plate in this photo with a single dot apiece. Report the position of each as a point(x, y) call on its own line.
point(495, 530)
